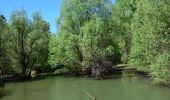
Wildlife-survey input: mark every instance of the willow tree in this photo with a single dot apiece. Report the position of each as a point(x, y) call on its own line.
point(77, 34)
point(20, 28)
point(99, 50)
point(150, 40)
point(5, 46)
point(38, 42)
point(120, 21)
point(69, 23)
point(30, 40)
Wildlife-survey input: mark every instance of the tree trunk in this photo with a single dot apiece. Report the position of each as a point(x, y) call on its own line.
point(21, 50)
point(126, 49)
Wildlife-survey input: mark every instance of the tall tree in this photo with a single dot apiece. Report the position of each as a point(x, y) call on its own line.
point(38, 42)
point(150, 39)
point(120, 21)
point(5, 57)
point(21, 27)
point(83, 28)
point(31, 38)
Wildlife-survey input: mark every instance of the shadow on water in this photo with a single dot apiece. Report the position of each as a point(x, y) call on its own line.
point(3, 92)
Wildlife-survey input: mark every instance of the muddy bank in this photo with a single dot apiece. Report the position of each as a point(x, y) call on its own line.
point(115, 70)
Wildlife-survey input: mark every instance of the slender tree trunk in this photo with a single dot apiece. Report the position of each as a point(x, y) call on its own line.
point(0, 45)
point(22, 51)
point(126, 48)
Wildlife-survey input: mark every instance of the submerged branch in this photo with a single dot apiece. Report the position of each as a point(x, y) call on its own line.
point(90, 95)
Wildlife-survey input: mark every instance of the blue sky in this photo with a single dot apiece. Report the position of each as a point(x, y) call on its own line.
point(49, 9)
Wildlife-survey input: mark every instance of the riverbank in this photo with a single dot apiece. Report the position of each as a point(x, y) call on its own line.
point(120, 70)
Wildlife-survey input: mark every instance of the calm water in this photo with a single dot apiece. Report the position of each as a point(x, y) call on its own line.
point(60, 88)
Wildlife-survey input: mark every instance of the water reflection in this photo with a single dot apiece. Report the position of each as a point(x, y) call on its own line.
point(2, 91)
point(71, 88)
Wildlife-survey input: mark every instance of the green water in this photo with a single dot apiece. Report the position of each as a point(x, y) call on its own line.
point(62, 88)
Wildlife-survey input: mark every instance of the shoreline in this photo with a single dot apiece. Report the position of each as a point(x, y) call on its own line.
point(12, 78)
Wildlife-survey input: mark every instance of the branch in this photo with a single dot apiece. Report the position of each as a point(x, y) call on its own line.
point(90, 95)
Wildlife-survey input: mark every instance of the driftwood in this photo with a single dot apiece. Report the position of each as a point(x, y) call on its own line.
point(90, 95)
point(33, 73)
point(100, 68)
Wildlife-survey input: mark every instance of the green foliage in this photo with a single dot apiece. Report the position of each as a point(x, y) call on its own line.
point(62, 52)
point(30, 39)
point(97, 43)
point(120, 21)
point(160, 69)
point(83, 34)
point(19, 26)
point(150, 40)
point(5, 44)
point(38, 41)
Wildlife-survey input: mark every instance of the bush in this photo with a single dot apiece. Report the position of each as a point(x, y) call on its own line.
point(160, 69)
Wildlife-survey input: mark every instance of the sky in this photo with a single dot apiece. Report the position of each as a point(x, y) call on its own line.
point(49, 9)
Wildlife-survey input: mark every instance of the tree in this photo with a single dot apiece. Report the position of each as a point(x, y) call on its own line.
point(83, 28)
point(120, 21)
point(5, 57)
point(31, 38)
point(150, 39)
point(38, 42)
point(21, 28)
point(98, 48)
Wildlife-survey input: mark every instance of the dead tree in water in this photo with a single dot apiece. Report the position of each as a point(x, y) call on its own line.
point(99, 68)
